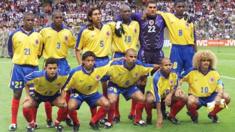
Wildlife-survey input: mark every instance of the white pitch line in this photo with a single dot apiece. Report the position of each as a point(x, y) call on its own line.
point(228, 77)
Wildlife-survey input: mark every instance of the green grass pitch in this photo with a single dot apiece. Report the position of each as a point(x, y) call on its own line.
point(226, 63)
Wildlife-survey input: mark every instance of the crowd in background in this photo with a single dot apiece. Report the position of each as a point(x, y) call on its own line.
point(213, 20)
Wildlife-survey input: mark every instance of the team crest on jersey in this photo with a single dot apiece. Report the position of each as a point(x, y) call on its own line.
point(171, 82)
point(136, 74)
point(66, 38)
point(127, 82)
point(212, 79)
point(135, 30)
point(175, 65)
point(108, 33)
point(151, 22)
point(98, 77)
point(36, 41)
point(58, 84)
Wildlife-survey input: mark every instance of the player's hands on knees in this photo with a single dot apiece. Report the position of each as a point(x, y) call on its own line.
point(28, 99)
point(63, 103)
point(179, 92)
point(159, 121)
point(168, 100)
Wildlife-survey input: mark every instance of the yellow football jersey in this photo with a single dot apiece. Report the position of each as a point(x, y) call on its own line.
point(123, 77)
point(97, 40)
point(25, 48)
point(84, 82)
point(38, 81)
point(56, 44)
point(203, 85)
point(128, 40)
point(161, 86)
point(180, 32)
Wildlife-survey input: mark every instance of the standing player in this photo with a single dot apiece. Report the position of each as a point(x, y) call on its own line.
point(164, 87)
point(124, 74)
point(125, 35)
point(43, 86)
point(151, 40)
point(182, 38)
point(95, 37)
point(205, 87)
point(57, 39)
point(84, 81)
point(24, 46)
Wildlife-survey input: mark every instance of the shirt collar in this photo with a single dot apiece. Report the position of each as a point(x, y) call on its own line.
point(125, 65)
point(50, 79)
point(53, 26)
point(25, 32)
point(163, 74)
point(85, 71)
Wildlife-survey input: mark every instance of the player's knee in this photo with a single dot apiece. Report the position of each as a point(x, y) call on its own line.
point(149, 98)
point(106, 105)
point(112, 99)
point(27, 104)
point(141, 99)
point(191, 100)
point(72, 106)
point(17, 94)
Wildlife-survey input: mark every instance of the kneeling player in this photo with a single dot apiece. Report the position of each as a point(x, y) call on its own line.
point(42, 86)
point(164, 87)
point(84, 81)
point(205, 87)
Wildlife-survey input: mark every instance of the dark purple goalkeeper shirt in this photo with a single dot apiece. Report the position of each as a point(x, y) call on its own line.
point(151, 32)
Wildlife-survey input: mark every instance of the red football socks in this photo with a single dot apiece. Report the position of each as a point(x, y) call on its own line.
point(93, 111)
point(74, 117)
point(28, 114)
point(14, 110)
point(133, 106)
point(99, 115)
point(48, 109)
point(148, 108)
point(193, 110)
point(139, 110)
point(176, 107)
point(216, 110)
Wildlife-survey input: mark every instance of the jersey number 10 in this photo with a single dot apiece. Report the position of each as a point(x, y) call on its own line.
point(204, 90)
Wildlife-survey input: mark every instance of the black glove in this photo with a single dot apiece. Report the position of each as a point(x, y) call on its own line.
point(119, 29)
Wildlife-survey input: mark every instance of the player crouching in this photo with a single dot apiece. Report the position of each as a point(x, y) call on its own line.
point(42, 86)
point(205, 87)
point(165, 87)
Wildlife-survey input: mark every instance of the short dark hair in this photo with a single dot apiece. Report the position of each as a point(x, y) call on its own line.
point(51, 61)
point(178, 1)
point(151, 2)
point(88, 54)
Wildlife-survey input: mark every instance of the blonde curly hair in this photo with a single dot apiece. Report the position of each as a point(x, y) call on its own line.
point(204, 54)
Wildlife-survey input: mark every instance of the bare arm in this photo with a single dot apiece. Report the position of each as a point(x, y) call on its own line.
point(159, 116)
point(78, 56)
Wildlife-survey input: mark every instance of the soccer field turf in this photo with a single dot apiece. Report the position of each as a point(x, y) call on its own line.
point(226, 62)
